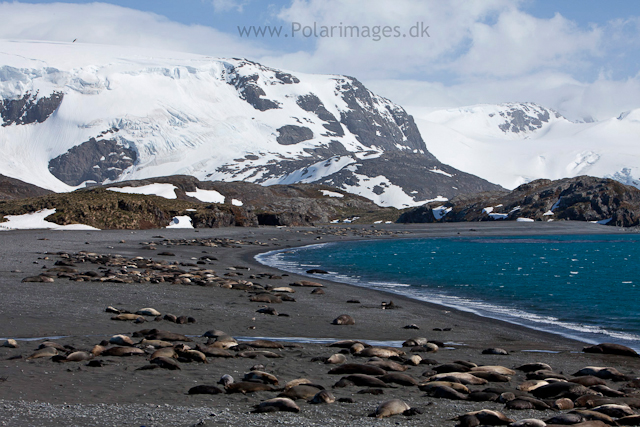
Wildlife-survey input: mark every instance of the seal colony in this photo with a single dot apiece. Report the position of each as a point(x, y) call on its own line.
point(173, 322)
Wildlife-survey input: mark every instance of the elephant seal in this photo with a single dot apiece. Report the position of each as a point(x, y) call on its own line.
point(588, 380)
point(263, 377)
point(461, 377)
point(121, 340)
point(225, 380)
point(323, 396)
point(456, 386)
point(166, 363)
point(335, 359)
point(362, 380)
point(302, 391)
point(254, 354)
point(43, 352)
point(398, 378)
point(561, 389)
point(344, 319)
point(127, 316)
point(498, 369)
point(156, 334)
point(297, 381)
point(79, 356)
point(205, 389)
point(391, 407)
point(378, 352)
point(529, 422)
point(492, 418)
point(388, 365)
point(165, 352)
point(265, 344)
point(10, 343)
point(615, 411)
point(610, 348)
point(602, 372)
point(536, 366)
point(248, 387)
point(277, 404)
point(355, 368)
point(495, 350)
point(451, 367)
point(122, 351)
point(530, 385)
point(444, 392)
point(148, 312)
point(344, 343)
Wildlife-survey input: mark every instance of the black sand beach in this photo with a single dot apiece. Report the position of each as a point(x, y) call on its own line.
point(48, 393)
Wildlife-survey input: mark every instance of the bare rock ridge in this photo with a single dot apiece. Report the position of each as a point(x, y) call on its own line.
point(11, 189)
point(527, 117)
point(582, 198)
point(29, 109)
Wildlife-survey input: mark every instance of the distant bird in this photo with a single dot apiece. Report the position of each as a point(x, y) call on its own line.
point(74, 40)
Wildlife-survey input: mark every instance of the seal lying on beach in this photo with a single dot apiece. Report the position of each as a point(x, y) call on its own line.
point(277, 404)
point(391, 407)
point(344, 319)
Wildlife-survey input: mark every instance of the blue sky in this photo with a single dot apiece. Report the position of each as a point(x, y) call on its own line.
point(579, 57)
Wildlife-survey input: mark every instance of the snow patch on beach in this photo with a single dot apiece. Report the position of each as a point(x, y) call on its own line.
point(36, 220)
point(180, 222)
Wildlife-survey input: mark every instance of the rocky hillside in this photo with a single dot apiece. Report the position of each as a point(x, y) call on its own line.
point(11, 189)
point(582, 198)
point(241, 204)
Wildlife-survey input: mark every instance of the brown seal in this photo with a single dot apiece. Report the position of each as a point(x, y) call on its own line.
point(391, 407)
point(344, 319)
point(277, 404)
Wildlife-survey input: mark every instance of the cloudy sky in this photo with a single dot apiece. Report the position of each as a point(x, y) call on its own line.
point(580, 57)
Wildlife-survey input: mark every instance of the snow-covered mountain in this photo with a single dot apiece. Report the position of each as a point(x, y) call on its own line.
point(77, 113)
point(511, 144)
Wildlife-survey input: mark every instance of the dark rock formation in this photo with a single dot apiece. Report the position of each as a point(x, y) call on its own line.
point(581, 198)
point(94, 160)
point(11, 189)
point(368, 121)
point(249, 88)
point(291, 134)
point(29, 109)
point(313, 104)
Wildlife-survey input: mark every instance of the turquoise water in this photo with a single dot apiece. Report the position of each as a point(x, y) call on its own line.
point(583, 287)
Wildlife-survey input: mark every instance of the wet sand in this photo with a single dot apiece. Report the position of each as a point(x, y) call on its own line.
point(43, 392)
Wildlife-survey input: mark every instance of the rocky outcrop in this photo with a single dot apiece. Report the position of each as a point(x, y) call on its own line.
point(291, 134)
point(95, 160)
point(29, 109)
point(582, 198)
point(312, 104)
point(369, 117)
point(282, 205)
point(11, 189)
point(527, 117)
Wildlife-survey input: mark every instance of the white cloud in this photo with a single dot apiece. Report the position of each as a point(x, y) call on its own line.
point(228, 5)
point(449, 30)
point(599, 100)
point(519, 43)
point(102, 23)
